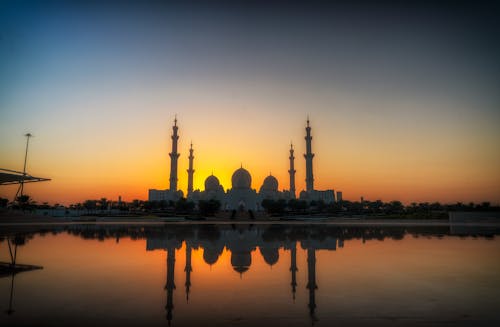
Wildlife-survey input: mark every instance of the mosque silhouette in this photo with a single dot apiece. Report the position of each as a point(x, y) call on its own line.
point(241, 196)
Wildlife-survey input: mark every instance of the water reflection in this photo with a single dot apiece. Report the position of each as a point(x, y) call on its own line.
point(11, 268)
point(240, 241)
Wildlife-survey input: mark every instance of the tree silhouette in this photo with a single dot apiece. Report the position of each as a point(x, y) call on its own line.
point(208, 208)
point(24, 202)
point(3, 202)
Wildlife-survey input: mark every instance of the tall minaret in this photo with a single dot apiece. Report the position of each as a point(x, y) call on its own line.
point(292, 173)
point(173, 158)
point(190, 171)
point(309, 159)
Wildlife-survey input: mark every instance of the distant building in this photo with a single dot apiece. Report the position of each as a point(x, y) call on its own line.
point(164, 195)
point(327, 196)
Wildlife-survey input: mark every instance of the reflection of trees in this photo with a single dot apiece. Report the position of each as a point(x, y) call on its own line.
point(214, 232)
point(208, 232)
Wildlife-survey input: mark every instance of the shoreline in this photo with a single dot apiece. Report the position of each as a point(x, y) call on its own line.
point(90, 220)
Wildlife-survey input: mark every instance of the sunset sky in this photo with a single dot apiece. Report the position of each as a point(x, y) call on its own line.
point(404, 101)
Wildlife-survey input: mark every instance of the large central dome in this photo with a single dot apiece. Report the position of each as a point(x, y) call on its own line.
point(241, 179)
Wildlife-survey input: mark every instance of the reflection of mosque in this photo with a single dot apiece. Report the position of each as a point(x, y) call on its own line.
point(241, 241)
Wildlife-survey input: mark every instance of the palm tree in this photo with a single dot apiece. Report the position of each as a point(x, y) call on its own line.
point(89, 205)
point(23, 201)
point(103, 203)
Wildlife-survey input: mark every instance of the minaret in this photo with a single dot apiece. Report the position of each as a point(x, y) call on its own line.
point(293, 268)
point(190, 171)
point(309, 159)
point(173, 158)
point(188, 269)
point(292, 173)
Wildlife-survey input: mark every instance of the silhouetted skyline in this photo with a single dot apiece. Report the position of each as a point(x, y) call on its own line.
point(403, 98)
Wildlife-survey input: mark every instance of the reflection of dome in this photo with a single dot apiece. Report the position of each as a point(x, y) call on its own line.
point(210, 255)
point(271, 255)
point(240, 269)
point(270, 184)
point(241, 179)
point(212, 183)
point(241, 261)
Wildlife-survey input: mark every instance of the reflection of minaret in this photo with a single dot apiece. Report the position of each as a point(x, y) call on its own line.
point(170, 286)
point(188, 269)
point(293, 268)
point(311, 281)
point(190, 171)
point(292, 173)
point(309, 159)
point(173, 158)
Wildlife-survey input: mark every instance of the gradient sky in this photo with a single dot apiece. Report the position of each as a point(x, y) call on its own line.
point(403, 100)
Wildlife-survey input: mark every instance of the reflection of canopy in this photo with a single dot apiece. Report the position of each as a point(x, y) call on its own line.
point(8, 177)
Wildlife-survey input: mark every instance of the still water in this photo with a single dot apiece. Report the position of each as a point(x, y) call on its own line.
point(248, 275)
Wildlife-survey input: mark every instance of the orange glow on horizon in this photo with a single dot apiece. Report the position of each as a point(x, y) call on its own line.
point(128, 167)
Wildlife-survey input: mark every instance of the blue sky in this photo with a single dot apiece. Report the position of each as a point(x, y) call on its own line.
point(79, 75)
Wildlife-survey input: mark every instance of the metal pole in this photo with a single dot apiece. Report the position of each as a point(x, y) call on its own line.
point(10, 310)
point(21, 186)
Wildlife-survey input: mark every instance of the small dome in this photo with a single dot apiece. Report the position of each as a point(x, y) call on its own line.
point(270, 184)
point(241, 179)
point(212, 183)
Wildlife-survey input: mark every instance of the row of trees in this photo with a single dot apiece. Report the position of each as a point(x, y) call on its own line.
point(179, 207)
point(273, 207)
point(378, 207)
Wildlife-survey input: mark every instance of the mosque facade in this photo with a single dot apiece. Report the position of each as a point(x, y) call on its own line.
point(241, 196)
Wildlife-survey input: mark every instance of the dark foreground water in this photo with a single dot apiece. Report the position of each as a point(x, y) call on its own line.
point(252, 275)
